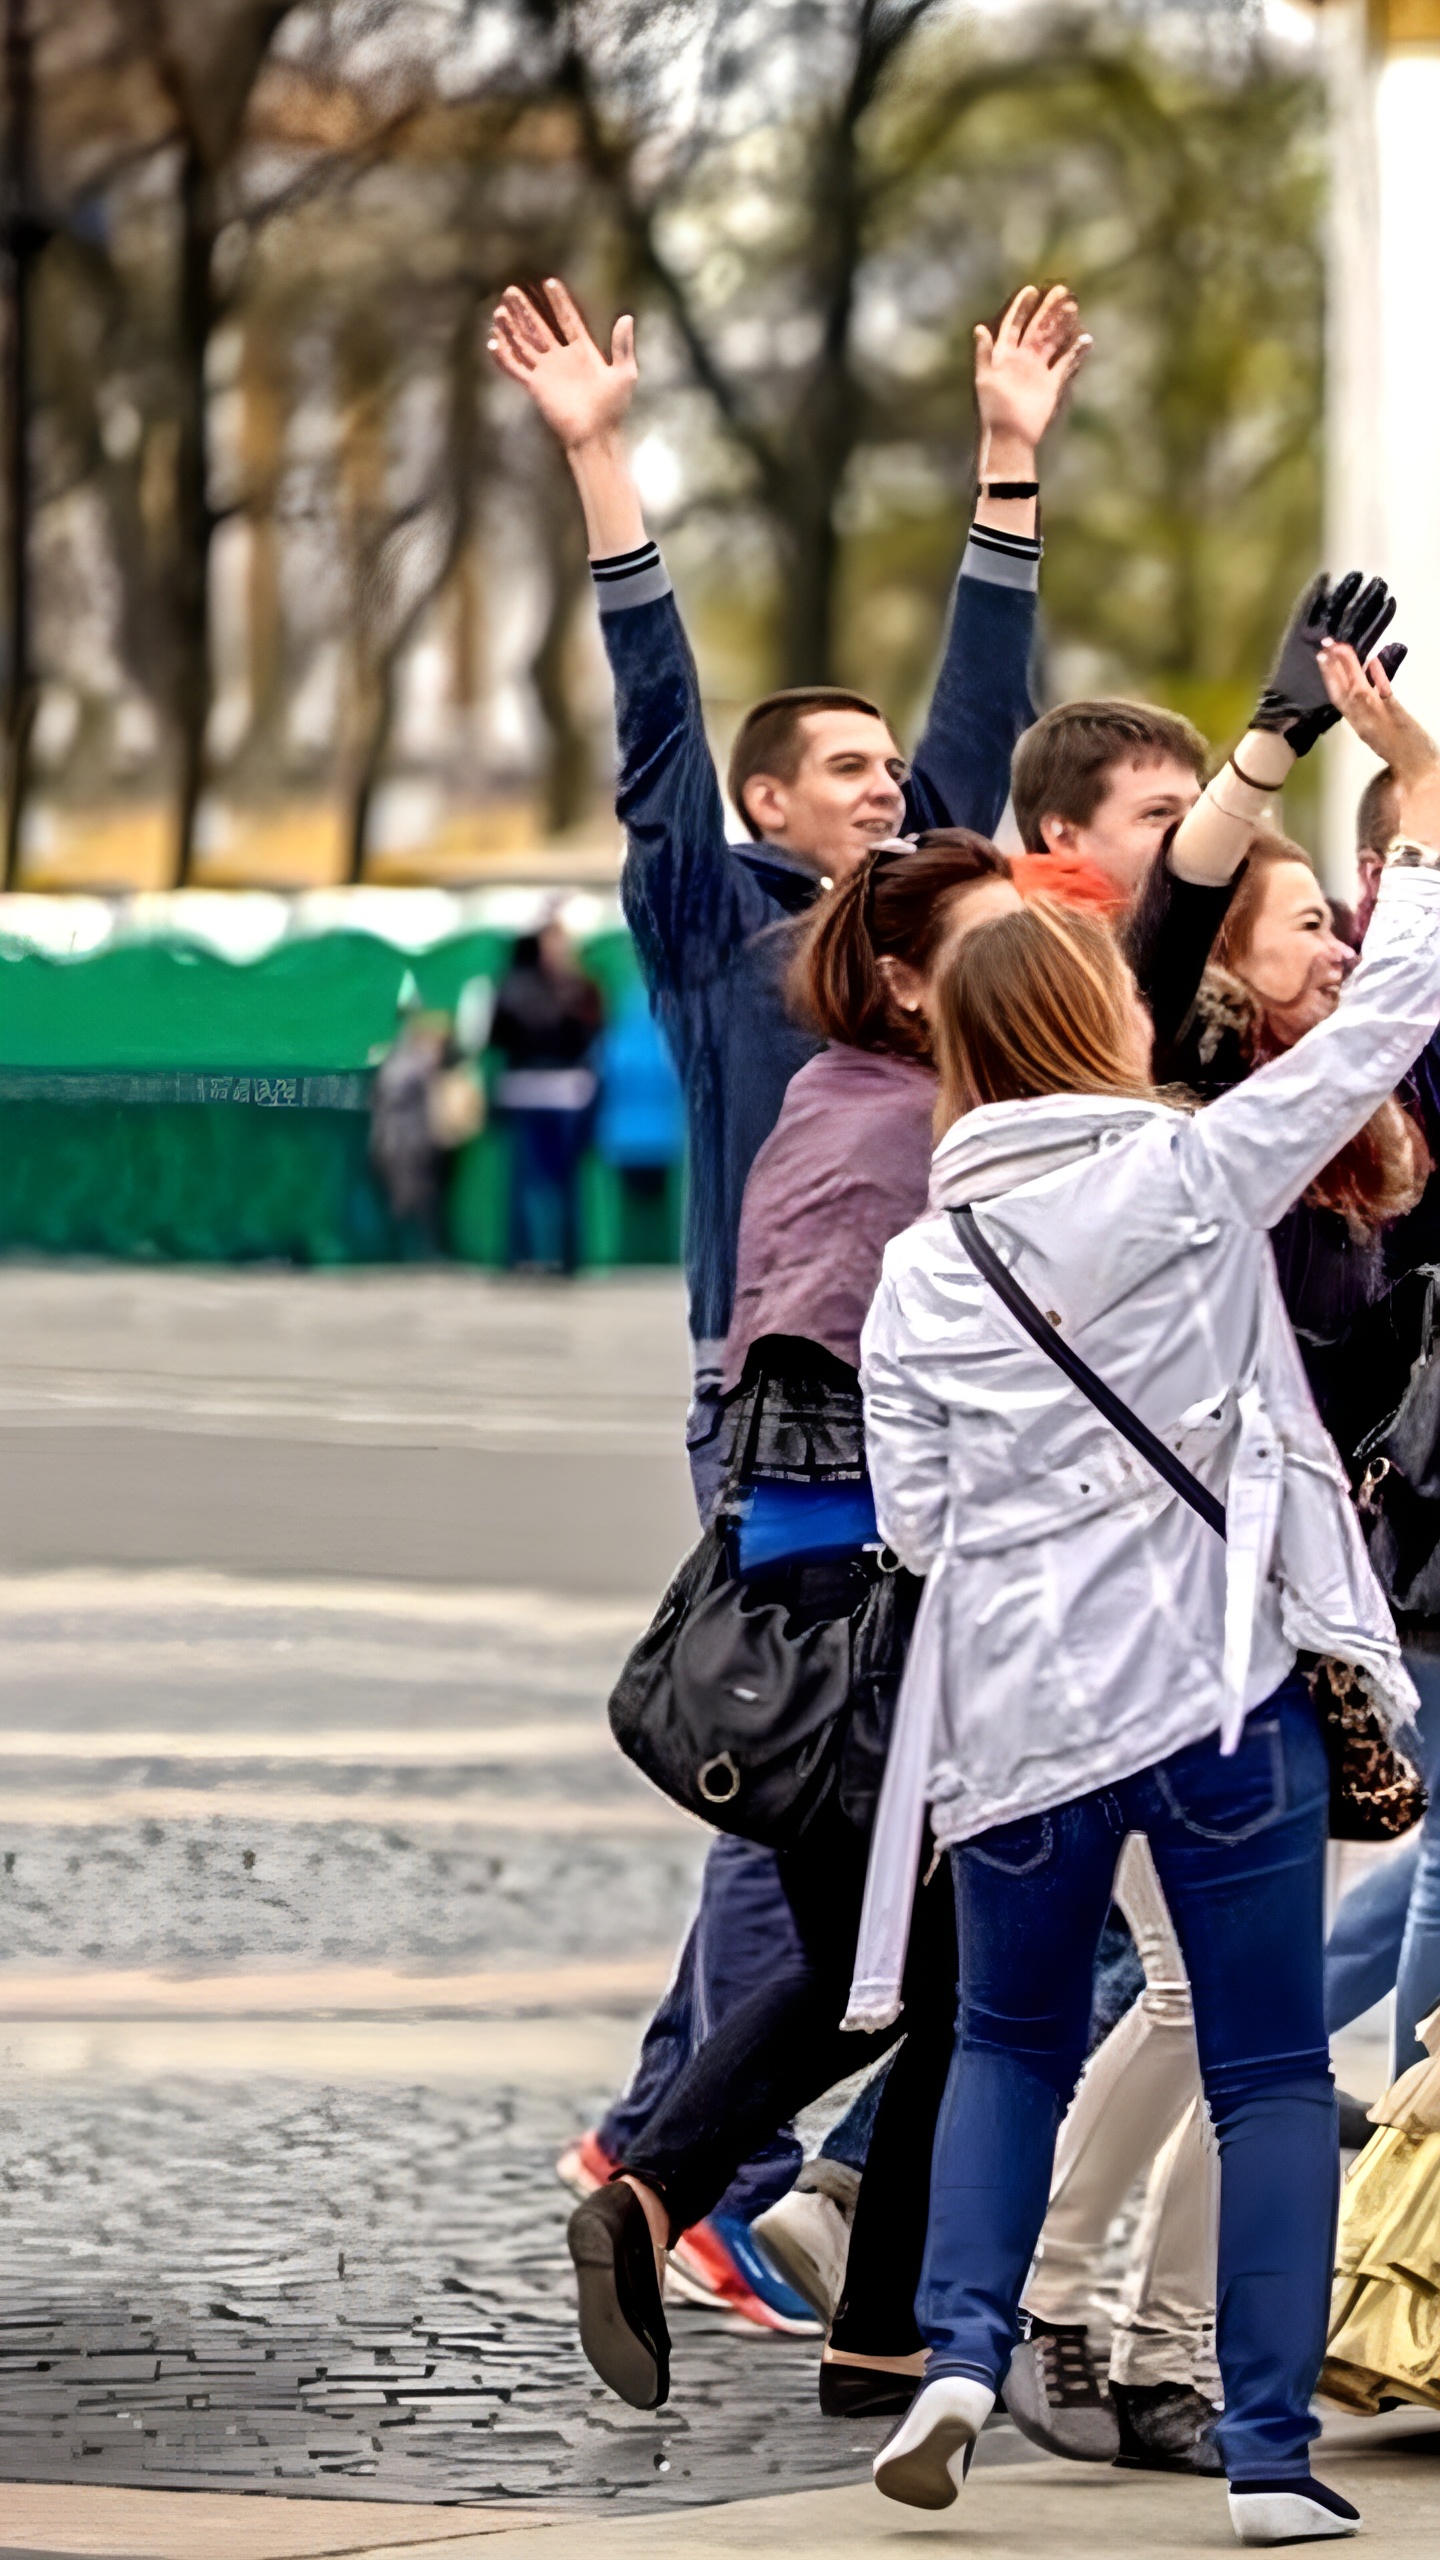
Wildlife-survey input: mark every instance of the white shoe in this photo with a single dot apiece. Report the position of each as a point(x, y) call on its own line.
point(808, 2236)
point(1289, 2511)
point(925, 2462)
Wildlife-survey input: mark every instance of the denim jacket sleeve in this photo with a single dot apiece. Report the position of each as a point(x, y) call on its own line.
point(961, 771)
point(687, 899)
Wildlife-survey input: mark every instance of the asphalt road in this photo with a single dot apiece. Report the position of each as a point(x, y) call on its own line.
point(432, 1426)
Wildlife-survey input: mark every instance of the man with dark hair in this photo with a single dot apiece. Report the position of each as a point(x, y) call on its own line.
point(816, 772)
point(817, 778)
point(1098, 786)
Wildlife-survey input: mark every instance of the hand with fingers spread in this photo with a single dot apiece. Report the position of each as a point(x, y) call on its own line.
point(538, 338)
point(1362, 695)
point(541, 342)
point(1022, 373)
point(1295, 703)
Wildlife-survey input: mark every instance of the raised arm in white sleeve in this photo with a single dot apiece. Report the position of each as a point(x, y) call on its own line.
point(1252, 1154)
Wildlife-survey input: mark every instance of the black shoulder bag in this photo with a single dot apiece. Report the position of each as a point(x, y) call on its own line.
point(751, 1719)
point(1375, 1794)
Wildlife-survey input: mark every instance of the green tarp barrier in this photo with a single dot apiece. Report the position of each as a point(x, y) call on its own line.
point(159, 1102)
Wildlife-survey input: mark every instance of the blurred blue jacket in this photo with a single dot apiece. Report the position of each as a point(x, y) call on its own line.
point(642, 1109)
point(709, 917)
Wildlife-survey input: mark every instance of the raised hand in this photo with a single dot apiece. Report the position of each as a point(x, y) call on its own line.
point(1363, 697)
point(580, 395)
point(1022, 373)
point(1296, 702)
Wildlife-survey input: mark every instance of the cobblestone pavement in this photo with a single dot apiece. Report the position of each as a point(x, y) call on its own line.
point(247, 2275)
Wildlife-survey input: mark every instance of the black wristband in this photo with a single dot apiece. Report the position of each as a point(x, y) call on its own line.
point(1009, 488)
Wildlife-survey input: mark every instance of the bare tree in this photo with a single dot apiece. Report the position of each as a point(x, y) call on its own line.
point(21, 241)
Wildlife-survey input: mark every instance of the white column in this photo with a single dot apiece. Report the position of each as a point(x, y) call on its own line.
point(1383, 405)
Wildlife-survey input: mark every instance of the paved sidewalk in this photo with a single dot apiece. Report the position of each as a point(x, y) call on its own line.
point(1008, 2511)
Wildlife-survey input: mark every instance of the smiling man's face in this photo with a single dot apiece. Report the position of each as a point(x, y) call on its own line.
point(847, 793)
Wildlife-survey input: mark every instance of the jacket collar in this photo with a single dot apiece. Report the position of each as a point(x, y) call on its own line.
point(793, 885)
point(1004, 1145)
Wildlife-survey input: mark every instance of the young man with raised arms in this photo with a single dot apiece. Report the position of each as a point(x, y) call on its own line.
point(816, 776)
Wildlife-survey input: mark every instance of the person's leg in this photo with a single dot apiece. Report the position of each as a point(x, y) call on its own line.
point(876, 2314)
point(1031, 1900)
point(1164, 2326)
point(743, 1925)
point(1239, 1843)
point(1362, 1952)
point(1417, 1984)
point(1134, 2092)
point(776, 2049)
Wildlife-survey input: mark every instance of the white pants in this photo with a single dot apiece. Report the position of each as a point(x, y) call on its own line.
point(1139, 2101)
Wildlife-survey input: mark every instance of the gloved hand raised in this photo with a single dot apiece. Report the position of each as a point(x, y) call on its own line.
point(1295, 702)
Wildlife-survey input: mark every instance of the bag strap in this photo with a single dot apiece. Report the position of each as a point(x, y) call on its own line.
point(1174, 1470)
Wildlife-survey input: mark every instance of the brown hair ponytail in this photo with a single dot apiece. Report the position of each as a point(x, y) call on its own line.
point(896, 906)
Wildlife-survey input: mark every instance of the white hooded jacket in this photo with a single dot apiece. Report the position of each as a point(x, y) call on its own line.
point(1080, 1622)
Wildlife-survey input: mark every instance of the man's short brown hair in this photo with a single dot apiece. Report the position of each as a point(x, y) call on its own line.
point(771, 737)
point(1061, 766)
point(1377, 819)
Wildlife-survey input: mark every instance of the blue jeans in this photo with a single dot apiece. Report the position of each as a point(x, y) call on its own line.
point(1386, 1934)
point(546, 1148)
point(1240, 1848)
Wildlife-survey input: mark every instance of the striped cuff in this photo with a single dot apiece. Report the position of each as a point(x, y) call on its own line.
point(1003, 559)
point(630, 577)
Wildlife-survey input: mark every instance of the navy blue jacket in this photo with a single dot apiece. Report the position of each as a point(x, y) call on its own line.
point(710, 918)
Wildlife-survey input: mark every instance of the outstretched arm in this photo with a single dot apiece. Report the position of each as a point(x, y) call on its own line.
point(1262, 1143)
point(687, 900)
point(982, 695)
point(1294, 710)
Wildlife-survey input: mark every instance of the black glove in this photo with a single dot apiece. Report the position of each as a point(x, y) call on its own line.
point(1295, 701)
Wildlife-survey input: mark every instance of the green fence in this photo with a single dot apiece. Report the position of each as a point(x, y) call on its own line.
point(160, 1102)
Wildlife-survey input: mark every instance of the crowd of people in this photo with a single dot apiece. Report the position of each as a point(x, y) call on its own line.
point(566, 1080)
point(1059, 1239)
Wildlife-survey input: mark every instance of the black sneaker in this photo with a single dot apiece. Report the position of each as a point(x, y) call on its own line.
point(1289, 2511)
point(1058, 2396)
point(1166, 2426)
point(622, 2324)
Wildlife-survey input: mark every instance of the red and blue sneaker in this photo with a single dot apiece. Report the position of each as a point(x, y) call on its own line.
point(583, 2165)
point(720, 2261)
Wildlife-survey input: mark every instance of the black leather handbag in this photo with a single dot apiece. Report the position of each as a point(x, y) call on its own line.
point(1375, 1794)
point(751, 1712)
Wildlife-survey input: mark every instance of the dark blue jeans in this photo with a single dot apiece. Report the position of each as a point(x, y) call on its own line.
point(1240, 1848)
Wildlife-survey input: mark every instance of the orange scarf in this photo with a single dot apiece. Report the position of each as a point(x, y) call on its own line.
point(1070, 880)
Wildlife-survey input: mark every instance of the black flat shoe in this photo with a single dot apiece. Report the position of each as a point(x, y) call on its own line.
point(859, 2391)
point(1166, 2426)
point(622, 2324)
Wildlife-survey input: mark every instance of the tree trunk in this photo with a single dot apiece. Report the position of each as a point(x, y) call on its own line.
point(194, 519)
point(20, 245)
point(567, 777)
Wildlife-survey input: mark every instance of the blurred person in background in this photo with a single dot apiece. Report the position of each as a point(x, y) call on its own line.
point(640, 1126)
point(424, 1106)
point(547, 1022)
point(816, 777)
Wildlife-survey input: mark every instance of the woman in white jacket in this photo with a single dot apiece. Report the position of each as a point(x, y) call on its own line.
point(1091, 1659)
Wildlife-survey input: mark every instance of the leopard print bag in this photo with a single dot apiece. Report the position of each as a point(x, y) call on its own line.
point(1375, 1794)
